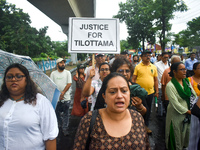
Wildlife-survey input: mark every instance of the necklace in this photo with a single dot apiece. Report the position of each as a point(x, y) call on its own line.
point(17, 99)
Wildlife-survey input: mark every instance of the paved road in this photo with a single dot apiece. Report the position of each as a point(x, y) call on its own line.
point(156, 125)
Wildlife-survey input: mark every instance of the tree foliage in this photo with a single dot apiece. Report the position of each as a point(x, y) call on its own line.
point(146, 19)
point(164, 10)
point(189, 37)
point(16, 34)
point(60, 48)
point(124, 45)
point(138, 18)
point(194, 29)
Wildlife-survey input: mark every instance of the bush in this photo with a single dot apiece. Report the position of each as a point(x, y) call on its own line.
point(43, 55)
point(39, 59)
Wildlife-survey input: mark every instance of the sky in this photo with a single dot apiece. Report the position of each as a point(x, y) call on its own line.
point(104, 9)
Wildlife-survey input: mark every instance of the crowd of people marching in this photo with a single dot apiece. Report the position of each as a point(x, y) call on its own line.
point(114, 99)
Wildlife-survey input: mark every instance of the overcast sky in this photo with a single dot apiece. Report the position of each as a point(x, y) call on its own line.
point(104, 9)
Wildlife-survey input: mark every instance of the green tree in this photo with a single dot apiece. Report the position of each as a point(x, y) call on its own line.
point(81, 56)
point(16, 34)
point(138, 17)
point(194, 29)
point(124, 45)
point(164, 10)
point(182, 38)
point(60, 48)
point(189, 37)
point(145, 18)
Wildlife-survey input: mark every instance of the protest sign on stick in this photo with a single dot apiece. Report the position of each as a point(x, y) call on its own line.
point(94, 35)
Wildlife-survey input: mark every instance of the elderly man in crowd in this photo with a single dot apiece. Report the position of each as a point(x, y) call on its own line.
point(165, 79)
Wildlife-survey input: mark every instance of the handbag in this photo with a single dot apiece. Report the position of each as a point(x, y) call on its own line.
point(79, 83)
point(192, 97)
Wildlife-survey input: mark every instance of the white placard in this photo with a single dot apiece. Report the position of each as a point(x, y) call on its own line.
point(93, 35)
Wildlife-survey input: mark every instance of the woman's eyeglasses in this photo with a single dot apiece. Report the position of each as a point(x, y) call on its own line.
point(17, 77)
point(123, 70)
point(104, 69)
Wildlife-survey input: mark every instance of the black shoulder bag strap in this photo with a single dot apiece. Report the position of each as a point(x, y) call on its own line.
point(92, 121)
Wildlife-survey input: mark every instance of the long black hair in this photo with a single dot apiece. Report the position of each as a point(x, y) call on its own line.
point(80, 66)
point(30, 89)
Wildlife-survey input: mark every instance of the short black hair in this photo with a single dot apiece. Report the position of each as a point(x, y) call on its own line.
point(104, 63)
point(165, 53)
point(135, 56)
point(145, 52)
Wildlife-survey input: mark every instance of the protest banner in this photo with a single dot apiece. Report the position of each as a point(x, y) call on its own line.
point(93, 35)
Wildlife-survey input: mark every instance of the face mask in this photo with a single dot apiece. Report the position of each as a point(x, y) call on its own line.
point(135, 60)
point(61, 67)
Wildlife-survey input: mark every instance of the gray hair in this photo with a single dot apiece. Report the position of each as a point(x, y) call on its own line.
point(175, 56)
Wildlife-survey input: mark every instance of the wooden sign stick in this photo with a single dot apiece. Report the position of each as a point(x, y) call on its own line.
point(93, 59)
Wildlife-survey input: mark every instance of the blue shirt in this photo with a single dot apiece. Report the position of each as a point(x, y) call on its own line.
point(189, 63)
point(153, 59)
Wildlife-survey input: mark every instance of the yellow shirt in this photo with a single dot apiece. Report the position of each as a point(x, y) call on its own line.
point(145, 76)
point(194, 85)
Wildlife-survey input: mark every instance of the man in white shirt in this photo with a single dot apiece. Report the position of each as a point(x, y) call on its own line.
point(63, 79)
point(161, 66)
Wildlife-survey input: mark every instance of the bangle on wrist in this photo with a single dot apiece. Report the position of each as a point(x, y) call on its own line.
point(140, 109)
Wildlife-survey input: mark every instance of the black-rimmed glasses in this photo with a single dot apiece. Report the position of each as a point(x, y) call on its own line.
point(17, 77)
point(104, 69)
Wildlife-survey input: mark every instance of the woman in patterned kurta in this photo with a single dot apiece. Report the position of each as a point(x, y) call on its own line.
point(177, 133)
point(115, 127)
point(79, 77)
